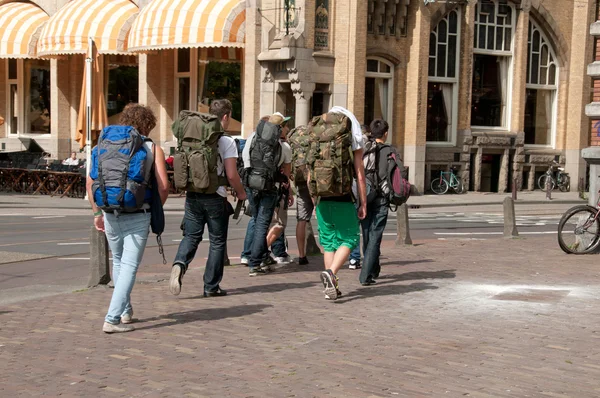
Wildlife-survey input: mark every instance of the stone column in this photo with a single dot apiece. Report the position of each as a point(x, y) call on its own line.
point(251, 68)
point(577, 135)
point(531, 179)
point(503, 180)
point(303, 94)
point(60, 106)
point(477, 171)
point(517, 122)
point(416, 94)
point(3, 105)
point(150, 82)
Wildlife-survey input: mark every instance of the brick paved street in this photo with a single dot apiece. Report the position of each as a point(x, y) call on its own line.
point(490, 318)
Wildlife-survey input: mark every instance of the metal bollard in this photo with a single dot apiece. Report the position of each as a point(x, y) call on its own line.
point(510, 221)
point(312, 249)
point(514, 188)
point(99, 268)
point(403, 228)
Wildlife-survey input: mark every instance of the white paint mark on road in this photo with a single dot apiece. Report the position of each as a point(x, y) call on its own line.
point(72, 243)
point(74, 258)
point(43, 217)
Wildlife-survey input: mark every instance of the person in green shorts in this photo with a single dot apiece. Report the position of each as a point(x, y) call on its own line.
point(339, 230)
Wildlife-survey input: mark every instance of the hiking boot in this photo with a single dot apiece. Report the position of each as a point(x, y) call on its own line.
point(330, 283)
point(175, 282)
point(120, 328)
point(127, 317)
point(257, 271)
point(303, 260)
point(354, 264)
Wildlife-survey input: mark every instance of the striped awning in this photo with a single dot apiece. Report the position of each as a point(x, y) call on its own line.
point(20, 25)
point(105, 21)
point(221, 54)
point(189, 23)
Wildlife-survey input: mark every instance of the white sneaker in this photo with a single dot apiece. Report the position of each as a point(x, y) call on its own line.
point(127, 317)
point(120, 328)
point(354, 264)
point(284, 260)
point(244, 261)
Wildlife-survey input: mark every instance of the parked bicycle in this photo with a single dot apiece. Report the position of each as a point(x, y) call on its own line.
point(562, 180)
point(446, 180)
point(579, 229)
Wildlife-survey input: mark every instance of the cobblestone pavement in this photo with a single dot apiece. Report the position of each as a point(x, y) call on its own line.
point(494, 318)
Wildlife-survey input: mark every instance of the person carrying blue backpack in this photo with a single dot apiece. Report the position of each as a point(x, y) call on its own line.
point(123, 167)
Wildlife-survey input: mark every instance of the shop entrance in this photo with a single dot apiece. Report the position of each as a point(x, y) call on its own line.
point(490, 172)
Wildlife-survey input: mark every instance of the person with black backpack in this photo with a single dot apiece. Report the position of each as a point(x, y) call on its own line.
point(267, 163)
point(120, 194)
point(382, 164)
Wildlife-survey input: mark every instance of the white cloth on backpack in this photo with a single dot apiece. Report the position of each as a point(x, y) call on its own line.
point(357, 135)
point(286, 152)
point(227, 150)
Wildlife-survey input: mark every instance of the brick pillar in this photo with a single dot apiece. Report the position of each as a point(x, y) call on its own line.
point(167, 93)
point(251, 69)
point(504, 165)
point(3, 104)
point(416, 95)
point(517, 122)
point(577, 135)
point(466, 69)
point(357, 67)
point(150, 82)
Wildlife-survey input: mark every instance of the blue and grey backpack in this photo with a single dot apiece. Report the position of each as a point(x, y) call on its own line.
point(121, 168)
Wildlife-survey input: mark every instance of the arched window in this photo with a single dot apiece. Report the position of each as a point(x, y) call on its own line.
point(379, 91)
point(443, 79)
point(492, 63)
point(542, 88)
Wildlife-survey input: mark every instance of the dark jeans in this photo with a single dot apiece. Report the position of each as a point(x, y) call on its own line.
point(372, 232)
point(262, 207)
point(278, 247)
point(200, 210)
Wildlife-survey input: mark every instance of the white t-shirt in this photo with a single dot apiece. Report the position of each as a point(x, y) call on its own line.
point(227, 150)
point(71, 162)
point(286, 152)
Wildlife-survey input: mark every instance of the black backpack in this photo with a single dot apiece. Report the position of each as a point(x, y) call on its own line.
point(265, 153)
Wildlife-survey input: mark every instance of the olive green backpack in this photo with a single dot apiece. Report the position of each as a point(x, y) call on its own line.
point(196, 159)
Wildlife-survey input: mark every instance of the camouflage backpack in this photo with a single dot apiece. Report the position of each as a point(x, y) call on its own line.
point(299, 140)
point(330, 158)
point(196, 159)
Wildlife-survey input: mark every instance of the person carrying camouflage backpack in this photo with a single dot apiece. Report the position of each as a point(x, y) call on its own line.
point(334, 159)
point(204, 163)
point(299, 140)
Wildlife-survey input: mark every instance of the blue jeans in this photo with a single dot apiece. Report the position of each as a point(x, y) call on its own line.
point(127, 235)
point(201, 210)
point(355, 254)
point(262, 207)
point(278, 247)
point(373, 226)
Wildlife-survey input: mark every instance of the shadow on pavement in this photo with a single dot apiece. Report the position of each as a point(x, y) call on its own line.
point(409, 276)
point(206, 314)
point(375, 291)
point(403, 263)
point(272, 288)
point(5, 312)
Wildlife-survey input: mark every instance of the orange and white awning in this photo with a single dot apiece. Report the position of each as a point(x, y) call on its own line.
point(107, 22)
point(221, 54)
point(189, 23)
point(20, 25)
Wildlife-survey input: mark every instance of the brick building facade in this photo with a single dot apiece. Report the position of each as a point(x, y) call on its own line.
point(495, 88)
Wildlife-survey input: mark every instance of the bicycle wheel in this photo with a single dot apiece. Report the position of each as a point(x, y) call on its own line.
point(439, 186)
point(459, 186)
point(542, 182)
point(578, 231)
point(565, 184)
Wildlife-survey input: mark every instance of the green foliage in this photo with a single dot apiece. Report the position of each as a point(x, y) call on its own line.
point(223, 80)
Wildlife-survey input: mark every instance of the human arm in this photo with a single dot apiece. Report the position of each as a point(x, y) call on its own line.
point(234, 178)
point(160, 170)
point(361, 182)
point(98, 216)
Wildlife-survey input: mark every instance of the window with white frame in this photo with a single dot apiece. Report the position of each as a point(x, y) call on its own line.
point(442, 88)
point(542, 89)
point(379, 91)
point(28, 96)
point(492, 63)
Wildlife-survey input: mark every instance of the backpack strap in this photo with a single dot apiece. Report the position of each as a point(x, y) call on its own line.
point(100, 176)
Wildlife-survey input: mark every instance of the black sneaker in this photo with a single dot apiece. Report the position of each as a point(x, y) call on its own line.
point(175, 282)
point(216, 293)
point(330, 283)
point(302, 261)
point(257, 271)
point(369, 282)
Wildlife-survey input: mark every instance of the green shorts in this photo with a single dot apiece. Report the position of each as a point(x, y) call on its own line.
point(338, 225)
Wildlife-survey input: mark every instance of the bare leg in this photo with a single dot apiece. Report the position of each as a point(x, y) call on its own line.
point(273, 234)
point(328, 259)
point(301, 238)
point(340, 257)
